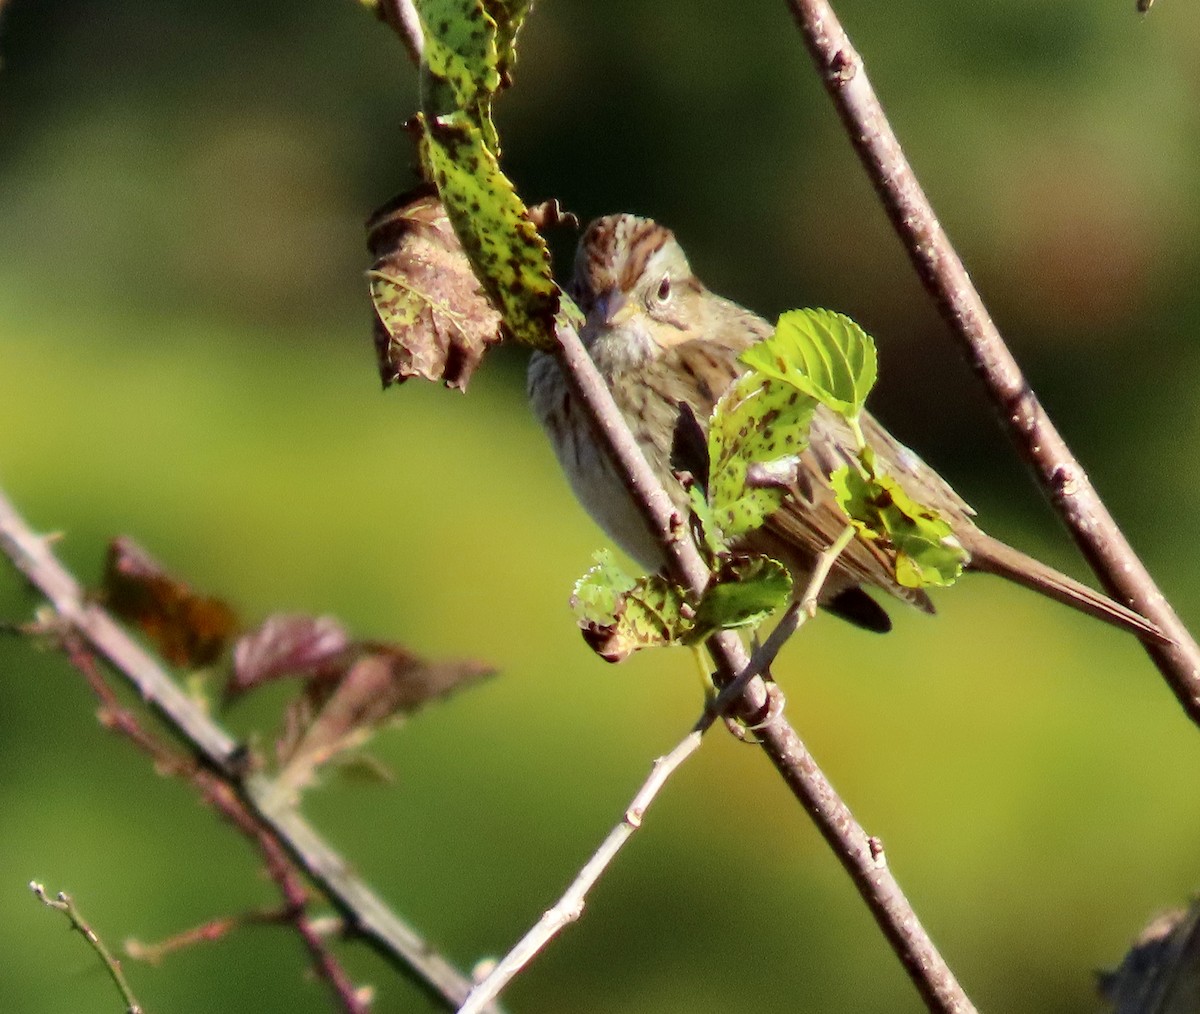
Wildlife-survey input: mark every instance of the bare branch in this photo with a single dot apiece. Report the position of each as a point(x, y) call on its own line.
point(1060, 475)
point(570, 906)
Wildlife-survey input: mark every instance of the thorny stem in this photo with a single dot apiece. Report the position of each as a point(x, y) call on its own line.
point(940, 269)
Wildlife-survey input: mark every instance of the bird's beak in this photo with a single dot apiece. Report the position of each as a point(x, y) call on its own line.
point(612, 307)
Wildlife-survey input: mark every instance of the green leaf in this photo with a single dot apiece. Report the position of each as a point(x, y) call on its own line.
point(460, 53)
point(468, 55)
point(743, 592)
point(620, 615)
point(824, 354)
point(713, 542)
point(598, 592)
point(926, 551)
point(508, 15)
point(758, 421)
point(509, 256)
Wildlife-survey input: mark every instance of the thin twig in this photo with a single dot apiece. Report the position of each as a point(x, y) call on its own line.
point(365, 912)
point(205, 933)
point(234, 809)
point(1060, 475)
point(570, 906)
point(65, 904)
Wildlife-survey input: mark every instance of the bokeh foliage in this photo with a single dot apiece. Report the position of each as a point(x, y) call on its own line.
point(185, 355)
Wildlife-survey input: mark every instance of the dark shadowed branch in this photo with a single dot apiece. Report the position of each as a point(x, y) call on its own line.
point(1060, 475)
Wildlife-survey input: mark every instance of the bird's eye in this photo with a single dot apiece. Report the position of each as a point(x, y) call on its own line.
point(664, 289)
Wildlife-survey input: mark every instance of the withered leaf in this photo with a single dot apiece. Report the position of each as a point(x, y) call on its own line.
point(338, 713)
point(1161, 972)
point(550, 215)
point(287, 644)
point(188, 629)
point(432, 318)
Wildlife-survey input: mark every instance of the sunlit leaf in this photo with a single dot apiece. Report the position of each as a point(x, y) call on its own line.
point(620, 615)
point(509, 256)
point(508, 16)
point(824, 354)
point(460, 48)
point(710, 536)
point(744, 591)
point(926, 552)
point(757, 421)
point(432, 318)
point(187, 628)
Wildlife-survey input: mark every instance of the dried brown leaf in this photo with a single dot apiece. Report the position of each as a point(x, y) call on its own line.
point(188, 629)
point(1161, 972)
point(335, 715)
point(550, 215)
point(432, 319)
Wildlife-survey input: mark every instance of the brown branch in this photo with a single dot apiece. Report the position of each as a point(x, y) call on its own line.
point(1060, 475)
point(860, 854)
point(365, 914)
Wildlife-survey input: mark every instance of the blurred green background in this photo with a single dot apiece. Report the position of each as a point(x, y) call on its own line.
point(185, 356)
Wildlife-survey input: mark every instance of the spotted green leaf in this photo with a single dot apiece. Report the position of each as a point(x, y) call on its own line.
point(824, 354)
point(761, 422)
point(508, 15)
point(619, 614)
point(925, 549)
point(460, 54)
point(744, 591)
point(508, 254)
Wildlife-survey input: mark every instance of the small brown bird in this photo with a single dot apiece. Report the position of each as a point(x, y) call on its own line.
point(662, 340)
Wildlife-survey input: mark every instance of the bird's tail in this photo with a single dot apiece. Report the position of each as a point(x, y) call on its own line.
point(995, 557)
